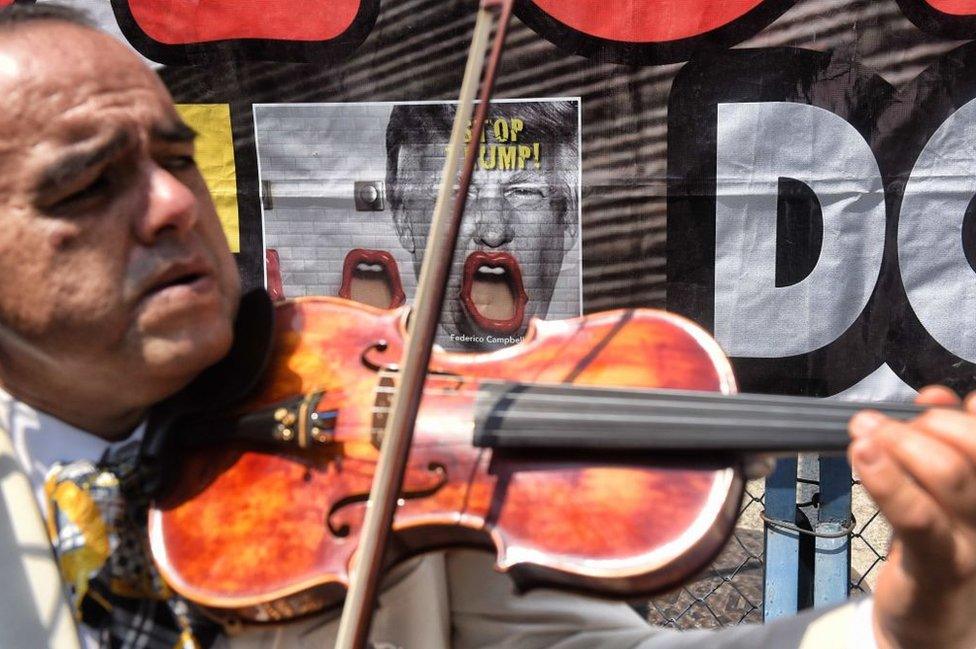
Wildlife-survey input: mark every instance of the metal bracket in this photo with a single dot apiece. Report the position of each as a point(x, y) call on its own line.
point(370, 195)
point(846, 530)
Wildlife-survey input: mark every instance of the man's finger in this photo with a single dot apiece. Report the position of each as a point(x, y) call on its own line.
point(915, 517)
point(759, 466)
point(937, 395)
point(935, 455)
point(954, 427)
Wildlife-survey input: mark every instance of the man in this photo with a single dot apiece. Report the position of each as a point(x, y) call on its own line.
point(118, 275)
point(118, 289)
point(522, 214)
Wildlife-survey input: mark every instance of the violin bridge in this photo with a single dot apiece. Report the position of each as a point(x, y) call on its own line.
point(381, 408)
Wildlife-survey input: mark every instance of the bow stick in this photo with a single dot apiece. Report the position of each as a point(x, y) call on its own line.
point(425, 315)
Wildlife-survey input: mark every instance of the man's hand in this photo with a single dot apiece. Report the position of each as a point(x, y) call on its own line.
point(922, 475)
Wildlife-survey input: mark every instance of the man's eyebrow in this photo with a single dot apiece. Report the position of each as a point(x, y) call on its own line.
point(174, 133)
point(75, 164)
point(526, 177)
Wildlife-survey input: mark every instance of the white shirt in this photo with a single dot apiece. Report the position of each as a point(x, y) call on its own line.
point(40, 441)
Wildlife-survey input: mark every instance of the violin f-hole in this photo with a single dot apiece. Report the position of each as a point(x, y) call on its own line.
point(342, 530)
point(380, 347)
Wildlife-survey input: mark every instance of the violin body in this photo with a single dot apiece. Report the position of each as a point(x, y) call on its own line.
point(267, 534)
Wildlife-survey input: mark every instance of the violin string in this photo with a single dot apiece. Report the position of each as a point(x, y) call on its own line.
point(726, 420)
point(682, 430)
point(655, 401)
point(561, 414)
point(665, 411)
point(557, 392)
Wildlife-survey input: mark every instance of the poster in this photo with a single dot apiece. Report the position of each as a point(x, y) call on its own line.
point(348, 193)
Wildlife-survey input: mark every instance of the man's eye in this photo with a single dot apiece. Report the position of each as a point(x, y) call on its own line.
point(94, 189)
point(180, 162)
point(522, 193)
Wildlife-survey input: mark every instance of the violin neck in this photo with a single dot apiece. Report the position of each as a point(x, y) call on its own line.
point(571, 418)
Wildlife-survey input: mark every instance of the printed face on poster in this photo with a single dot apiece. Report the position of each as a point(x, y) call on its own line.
point(348, 193)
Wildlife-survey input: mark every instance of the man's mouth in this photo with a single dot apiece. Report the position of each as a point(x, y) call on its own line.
point(372, 277)
point(190, 275)
point(492, 292)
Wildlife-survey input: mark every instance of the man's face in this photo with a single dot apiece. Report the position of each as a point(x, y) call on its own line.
point(517, 228)
point(113, 265)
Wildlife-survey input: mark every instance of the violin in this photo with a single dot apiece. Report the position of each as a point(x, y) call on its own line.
point(602, 454)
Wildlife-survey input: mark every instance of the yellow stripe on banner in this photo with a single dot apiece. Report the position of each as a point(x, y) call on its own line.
point(215, 157)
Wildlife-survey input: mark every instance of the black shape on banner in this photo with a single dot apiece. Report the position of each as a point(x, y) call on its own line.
point(924, 145)
point(969, 234)
point(799, 232)
point(251, 259)
point(933, 20)
point(805, 97)
point(187, 47)
point(650, 51)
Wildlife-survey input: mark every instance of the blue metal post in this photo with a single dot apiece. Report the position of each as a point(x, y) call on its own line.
point(782, 546)
point(832, 562)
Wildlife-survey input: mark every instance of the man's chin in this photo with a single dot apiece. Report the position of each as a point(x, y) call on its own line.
point(177, 358)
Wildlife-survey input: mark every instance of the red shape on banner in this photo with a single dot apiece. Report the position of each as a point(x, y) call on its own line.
point(648, 21)
point(954, 7)
point(175, 22)
point(954, 19)
point(194, 32)
point(649, 32)
point(275, 286)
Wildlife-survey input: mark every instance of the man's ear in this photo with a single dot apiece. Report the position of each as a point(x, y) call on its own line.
point(404, 230)
point(571, 219)
point(571, 228)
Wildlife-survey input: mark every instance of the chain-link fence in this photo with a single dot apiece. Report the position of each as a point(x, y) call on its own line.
point(730, 591)
point(869, 541)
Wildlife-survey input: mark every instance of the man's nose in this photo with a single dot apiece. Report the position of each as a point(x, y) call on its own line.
point(170, 205)
point(493, 225)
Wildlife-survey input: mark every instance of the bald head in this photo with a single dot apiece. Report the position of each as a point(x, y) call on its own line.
point(16, 15)
point(80, 65)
